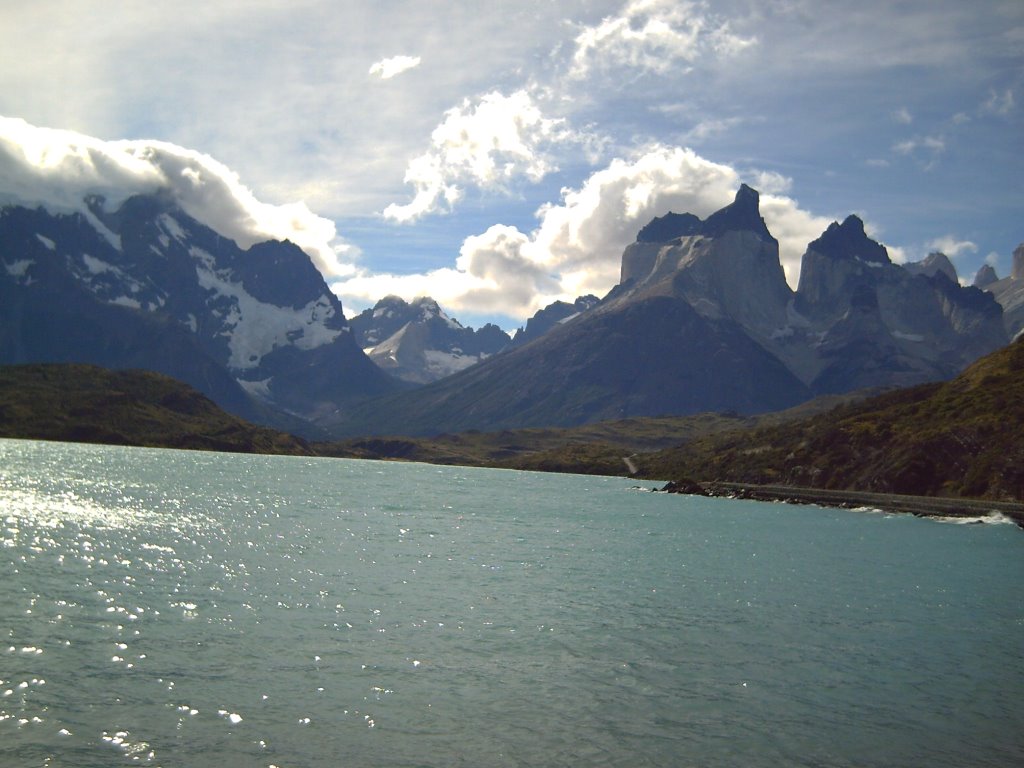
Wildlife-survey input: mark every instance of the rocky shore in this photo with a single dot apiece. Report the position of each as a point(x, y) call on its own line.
point(922, 506)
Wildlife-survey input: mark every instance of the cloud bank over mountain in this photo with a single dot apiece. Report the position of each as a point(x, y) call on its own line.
point(577, 245)
point(481, 155)
point(575, 248)
point(58, 169)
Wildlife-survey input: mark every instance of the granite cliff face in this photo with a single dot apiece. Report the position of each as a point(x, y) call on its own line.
point(146, 286)
point(725, 268)
point(419, 343)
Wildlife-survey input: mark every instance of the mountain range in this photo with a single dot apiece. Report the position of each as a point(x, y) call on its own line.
point(418, 343)
point(704, 320)
point(701, 320)
point(147, 286)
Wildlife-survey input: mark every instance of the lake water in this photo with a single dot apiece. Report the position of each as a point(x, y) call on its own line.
point(173, 608)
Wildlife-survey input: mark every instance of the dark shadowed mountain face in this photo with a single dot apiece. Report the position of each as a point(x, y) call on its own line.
point(146, 286)
point(703, 320)
point(419, 343)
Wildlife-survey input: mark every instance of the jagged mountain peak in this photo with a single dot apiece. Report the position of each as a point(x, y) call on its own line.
point(985, 276)
point(554, 314)
point(742, 214)
point(418, 342)
point(849, 241)
point(935, 263)
point(663, 229)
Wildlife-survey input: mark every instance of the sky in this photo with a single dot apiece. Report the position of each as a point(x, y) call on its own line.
point(498, 155)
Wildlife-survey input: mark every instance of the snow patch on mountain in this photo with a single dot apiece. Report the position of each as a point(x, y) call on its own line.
point(171, 226)
point(47, 242)
point(18, 268)
point(109, 235)
point(254, 328)
point(441, 364)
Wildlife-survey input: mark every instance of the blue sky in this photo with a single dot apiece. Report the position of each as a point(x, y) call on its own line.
point(500, 155)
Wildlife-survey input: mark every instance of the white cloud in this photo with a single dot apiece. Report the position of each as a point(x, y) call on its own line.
point(396, 65)
point(653, 35)
point(58, 168)
point(489, 144)
point(951, 246)
point(710, 127)
point(903, 116)
point(934, 144)
point(999, 103)
point(926, 150)
point(578, 243)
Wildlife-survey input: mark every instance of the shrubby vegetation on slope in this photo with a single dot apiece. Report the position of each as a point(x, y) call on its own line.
point(89, 404)
point(959, 438)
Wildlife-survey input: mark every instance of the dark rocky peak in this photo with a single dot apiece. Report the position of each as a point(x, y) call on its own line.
point(663, 229)
point(550, 316)
point(985, 276)
point(1018, 263)
point(429, 309)
point(280, 273)
point(742, 214)
point(933, 264)
point(382, 320)
point(849, 241)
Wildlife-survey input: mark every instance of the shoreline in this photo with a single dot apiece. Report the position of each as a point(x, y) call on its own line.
point(919, 506)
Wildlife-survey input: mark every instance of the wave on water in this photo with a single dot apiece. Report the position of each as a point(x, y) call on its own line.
point(992, 518)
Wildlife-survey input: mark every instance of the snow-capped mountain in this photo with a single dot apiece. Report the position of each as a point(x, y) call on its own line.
point(147, 286)
point(703, 320)
point(419, 343)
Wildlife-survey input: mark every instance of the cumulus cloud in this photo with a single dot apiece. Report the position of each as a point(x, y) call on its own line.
point(952, 247)
point(58, 169)
point(492, 275)
point(489, 144)
point(577, 246)
point(653, 35)
point(396, 65)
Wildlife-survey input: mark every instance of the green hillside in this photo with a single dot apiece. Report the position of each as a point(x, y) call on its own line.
point(86, 403)
point(963, 438)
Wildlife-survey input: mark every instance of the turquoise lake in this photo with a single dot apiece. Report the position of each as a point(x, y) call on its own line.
point(172, 608)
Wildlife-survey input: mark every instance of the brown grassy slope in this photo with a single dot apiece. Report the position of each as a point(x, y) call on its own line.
point(963, 438)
